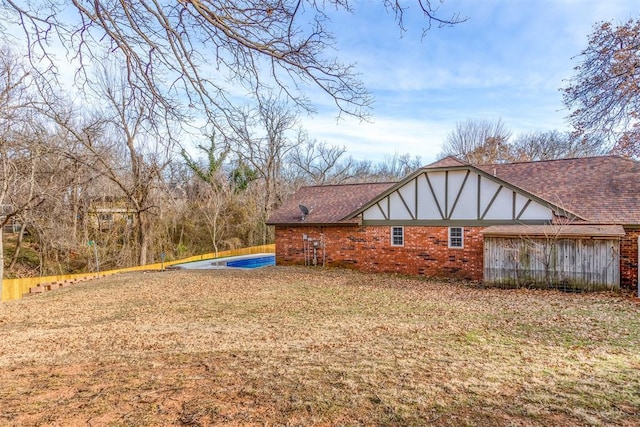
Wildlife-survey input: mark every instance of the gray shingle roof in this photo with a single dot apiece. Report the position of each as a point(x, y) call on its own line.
point(328, 204)
point(555, 230)
point(603, 190)
point(446, 162)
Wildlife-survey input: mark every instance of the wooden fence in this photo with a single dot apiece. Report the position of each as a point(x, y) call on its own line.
point(13, 289)
point(574, 264)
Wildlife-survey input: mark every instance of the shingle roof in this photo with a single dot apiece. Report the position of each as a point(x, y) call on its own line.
point(446, 162)
point(555, 230)
point(328, 204)
point(602, 190)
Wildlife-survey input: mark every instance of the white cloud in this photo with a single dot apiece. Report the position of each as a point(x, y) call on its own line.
point(382, 137)
point(508, 61)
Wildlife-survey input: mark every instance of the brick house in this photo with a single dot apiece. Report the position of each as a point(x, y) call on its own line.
point(453, 219)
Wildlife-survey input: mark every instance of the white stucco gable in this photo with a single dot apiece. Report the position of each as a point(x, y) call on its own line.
point(456, 194)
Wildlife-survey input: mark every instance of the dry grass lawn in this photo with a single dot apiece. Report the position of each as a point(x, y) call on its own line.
point(295, 346)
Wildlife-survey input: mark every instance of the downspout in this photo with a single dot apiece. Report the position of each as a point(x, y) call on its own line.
point(638, 266)
point(304, 249)
point(324, 248)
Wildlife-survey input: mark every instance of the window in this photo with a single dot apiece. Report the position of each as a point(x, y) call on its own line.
point(456, 237)
point(397, 236)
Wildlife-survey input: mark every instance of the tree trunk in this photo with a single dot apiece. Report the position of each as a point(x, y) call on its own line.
point(1, 261)
point(16, 253)
point(143, 239)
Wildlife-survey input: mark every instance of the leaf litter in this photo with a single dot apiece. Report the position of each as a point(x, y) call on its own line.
point(303, 346)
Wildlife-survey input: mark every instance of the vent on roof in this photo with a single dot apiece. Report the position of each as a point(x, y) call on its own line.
point(304, 210)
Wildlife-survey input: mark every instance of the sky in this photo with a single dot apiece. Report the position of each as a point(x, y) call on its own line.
point(508, 61)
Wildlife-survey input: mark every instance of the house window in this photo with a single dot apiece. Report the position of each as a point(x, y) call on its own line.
point(397, 236)
point(456, 237)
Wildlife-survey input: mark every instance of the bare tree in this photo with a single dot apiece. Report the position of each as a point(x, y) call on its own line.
point(134, 129)
point(554, 145)
point(215, 193)
point(262, 140)
point(395, 167)
point(604, 94)
point(179, 61)
point(317, 163)
point(19, 151)
point(478, 142)
point(128, 144)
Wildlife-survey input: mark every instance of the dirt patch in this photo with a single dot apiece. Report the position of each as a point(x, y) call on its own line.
point(295, 346)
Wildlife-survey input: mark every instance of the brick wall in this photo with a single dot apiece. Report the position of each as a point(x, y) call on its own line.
point(368, 248)
point(425, 251)
point(629, 259)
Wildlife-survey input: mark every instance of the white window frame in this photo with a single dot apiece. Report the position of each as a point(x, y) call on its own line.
point(393, 228)
point(461, 237)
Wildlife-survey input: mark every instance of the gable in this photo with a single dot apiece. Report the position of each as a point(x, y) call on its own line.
point(601, 190)
point(456, 195)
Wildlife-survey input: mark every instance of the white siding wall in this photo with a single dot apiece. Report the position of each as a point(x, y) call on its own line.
point(457, 195)
point(427, 208)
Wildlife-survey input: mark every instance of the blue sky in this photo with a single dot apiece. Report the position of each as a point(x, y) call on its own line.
point(508, 61)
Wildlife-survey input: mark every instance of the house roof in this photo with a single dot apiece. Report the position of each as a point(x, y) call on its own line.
point(446, 162)
point(555, 230)
point(603, 190)
point(599, 190)
point(327, 204)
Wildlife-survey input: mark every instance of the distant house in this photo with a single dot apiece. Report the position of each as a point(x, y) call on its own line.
point(109, 212)
point(12, 224)
point(569, 222)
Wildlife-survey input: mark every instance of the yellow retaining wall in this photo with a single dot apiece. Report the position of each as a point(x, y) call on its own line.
point(14, 288)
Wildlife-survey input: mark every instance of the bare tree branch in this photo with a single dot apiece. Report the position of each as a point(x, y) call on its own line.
point(478, 142)
point(202, 50)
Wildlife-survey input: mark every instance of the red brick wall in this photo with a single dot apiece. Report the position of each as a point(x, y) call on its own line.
point(629, 259)
point(368, 248)
point(425, 251)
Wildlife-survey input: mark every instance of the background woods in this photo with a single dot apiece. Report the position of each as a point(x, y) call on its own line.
point(112, 153)
point(178, 131)
point(119, 176)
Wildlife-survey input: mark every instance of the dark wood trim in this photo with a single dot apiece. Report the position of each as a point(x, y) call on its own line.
point(386, 216)
point(455, 202)
point(524, 208)
point(493, 199)
point(405, 204)
point(452, 222)
point(479, 193)
point(416, 197)
point(435, 198)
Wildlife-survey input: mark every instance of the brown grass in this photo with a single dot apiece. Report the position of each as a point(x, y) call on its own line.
point(294, 346)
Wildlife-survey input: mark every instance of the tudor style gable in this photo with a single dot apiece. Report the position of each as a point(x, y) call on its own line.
point(456, 194)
